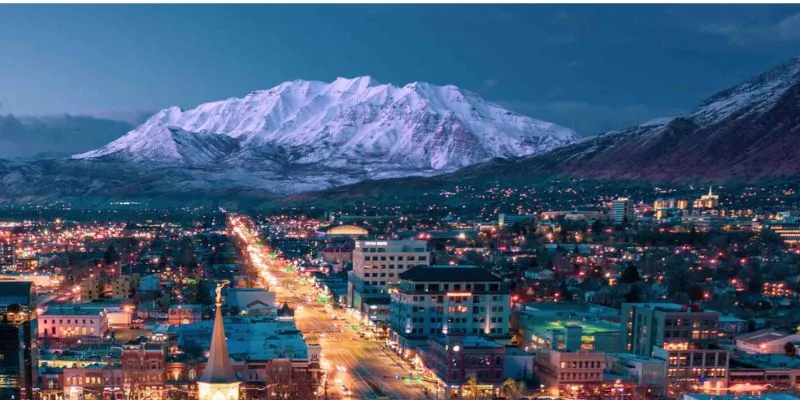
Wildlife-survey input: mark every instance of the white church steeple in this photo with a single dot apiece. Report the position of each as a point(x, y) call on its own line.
point(218, 381)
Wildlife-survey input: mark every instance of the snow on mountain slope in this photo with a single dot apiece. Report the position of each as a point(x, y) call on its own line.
point(340, 124)
point(755, 95)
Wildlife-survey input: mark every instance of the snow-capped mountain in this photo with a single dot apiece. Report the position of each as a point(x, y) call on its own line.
point(344, 124)
point(295, 137)
point(747, 132)
point(752, 96)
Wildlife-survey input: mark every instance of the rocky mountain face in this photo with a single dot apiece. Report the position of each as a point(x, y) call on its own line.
point(297, 136)
point(747, 132)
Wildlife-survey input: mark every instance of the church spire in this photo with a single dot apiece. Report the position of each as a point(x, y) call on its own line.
point(709, 191)
point(219, 368)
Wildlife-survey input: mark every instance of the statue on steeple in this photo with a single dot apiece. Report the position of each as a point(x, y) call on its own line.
point(218, 289)
point(218, 380)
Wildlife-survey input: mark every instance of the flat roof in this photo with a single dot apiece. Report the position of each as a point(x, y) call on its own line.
point(77, 309)
point(588, 326)
point(762, 336)
point(466, 341)
point(251, 338)
point(440, 273)
point(18, 292)
point(765, 361)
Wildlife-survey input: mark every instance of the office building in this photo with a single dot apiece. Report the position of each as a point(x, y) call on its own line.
point(568, 334)
point(457, 358)
point(622, 210)
point(18, 364)
point(685, 336)
point(72, 321)
point(8, 256)
point(444, 299)
point(377, 265)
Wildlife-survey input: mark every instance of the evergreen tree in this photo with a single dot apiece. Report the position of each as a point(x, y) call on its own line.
point(630, 274)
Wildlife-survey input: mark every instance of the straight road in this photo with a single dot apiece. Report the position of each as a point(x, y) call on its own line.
point(356, 368)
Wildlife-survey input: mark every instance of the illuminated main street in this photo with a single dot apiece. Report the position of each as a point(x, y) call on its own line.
point(356, 367)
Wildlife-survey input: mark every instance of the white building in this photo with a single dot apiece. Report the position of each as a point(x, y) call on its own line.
point(72, 321)
point(446, 299)
point(251, 300)
point(622, 210)
point(765, 341)
point(377, 265)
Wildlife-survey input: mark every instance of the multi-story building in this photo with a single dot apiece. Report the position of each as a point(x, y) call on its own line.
point(569, 334)
point(92, 381)
point(377, 265)
point(709, 200)
point(337, 255)
point(72, 321)
point(685, 336)
point(765, 341)
point(649, 325)
point(622, 210)
point(143, 374)
point(445, 299)
point(179, 314)
point(122, 286)
point(703, 221)
point(649, 373)
point(8, 255)
point(91, 288)
point(756, 373)
point(660, 204)
point(789, 233)
point(570, 374)
point(455, 359)
point(18, 369)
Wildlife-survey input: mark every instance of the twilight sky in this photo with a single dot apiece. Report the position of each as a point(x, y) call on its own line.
point(588, 67)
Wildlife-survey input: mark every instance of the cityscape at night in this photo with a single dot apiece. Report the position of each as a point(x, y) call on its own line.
point(583, 206)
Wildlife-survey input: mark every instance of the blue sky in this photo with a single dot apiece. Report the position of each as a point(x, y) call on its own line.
point(589, 67)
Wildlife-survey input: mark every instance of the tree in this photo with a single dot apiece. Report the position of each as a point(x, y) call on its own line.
point(789, 349)
point(634, 294)
point(696, 293)
point(755, 283)
point(513, 389)
point(110, 255)
point(564, 293)
point(630, 274)
point(472, 390)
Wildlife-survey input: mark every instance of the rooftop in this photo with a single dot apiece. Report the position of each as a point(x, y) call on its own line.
point(743, 360)
point(449, 273)
point(763, 396)
point(589, 326)
point(762, 337)
point(253, 338)
point(15, 293)
point(74, 309)
point(466, 341)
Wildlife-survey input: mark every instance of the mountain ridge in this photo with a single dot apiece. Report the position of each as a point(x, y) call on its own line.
point(747, 132)
point(294, 137)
